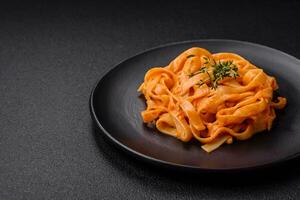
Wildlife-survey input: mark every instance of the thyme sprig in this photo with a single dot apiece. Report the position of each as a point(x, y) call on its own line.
point(220, 70)
point(190, 56)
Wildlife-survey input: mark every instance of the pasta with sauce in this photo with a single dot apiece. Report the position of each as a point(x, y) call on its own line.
point(214, 98)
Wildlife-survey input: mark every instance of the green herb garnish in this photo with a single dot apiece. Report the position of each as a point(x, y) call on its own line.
point(201, 70)
point(206, 60)
point(189, 56)
point(219, 71)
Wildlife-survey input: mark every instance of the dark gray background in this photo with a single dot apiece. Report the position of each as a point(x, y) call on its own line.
point(52, 54)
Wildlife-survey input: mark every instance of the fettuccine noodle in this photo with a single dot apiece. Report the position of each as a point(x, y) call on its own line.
point(182, 103)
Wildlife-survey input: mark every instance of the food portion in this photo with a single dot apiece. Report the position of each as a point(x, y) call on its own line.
point(214, 98)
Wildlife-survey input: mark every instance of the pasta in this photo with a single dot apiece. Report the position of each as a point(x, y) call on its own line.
point(214, 98)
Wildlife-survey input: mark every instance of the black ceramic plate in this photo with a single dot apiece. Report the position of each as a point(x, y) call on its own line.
point(115, 107)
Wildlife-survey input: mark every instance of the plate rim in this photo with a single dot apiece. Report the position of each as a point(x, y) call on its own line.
point(169, 164)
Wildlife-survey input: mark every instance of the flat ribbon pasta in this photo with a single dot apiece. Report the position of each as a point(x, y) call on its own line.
point(187, 107)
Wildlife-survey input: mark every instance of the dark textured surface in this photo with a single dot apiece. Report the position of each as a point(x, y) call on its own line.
point(51, 55)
